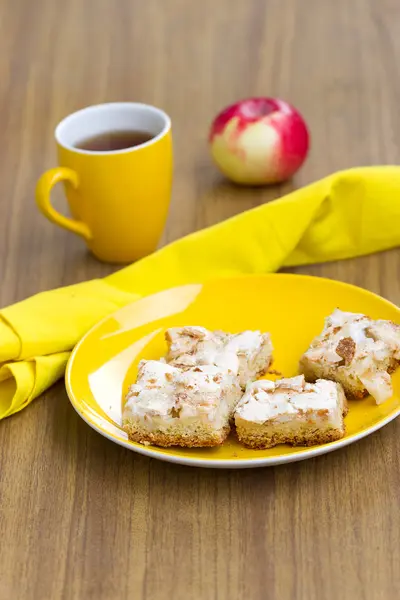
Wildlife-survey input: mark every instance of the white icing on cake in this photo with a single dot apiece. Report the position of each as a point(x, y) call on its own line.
point(246, 353)
point(287, 400)
point(376, 343)
point(164, 394)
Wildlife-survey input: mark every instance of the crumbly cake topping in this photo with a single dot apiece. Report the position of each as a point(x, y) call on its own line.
point(163, 390)
point(356, 342)
point(196, 345)
point(286, 399)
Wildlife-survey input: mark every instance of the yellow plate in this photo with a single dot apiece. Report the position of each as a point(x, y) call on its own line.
point(291, 307)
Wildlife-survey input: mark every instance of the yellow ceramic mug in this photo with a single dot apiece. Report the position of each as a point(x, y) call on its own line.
point(118, 199)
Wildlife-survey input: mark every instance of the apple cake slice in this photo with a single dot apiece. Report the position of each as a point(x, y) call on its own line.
point(356, 351)
point(290, 411)
point(171, 406)
point(247, 354)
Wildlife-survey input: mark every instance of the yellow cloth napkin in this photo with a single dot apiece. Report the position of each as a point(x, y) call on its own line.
point(347, 214)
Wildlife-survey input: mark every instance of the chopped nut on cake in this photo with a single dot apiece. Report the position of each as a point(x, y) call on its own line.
point(247, 354)
point(290, 411)
point(170, 406)
point(357, 352)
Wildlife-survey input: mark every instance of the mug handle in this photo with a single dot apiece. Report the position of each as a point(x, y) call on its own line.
point(43, 188)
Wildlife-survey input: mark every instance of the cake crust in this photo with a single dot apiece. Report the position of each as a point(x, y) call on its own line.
point(202, 439)
point(263, 442)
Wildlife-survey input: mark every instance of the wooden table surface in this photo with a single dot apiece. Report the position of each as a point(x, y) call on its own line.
point(82, 518)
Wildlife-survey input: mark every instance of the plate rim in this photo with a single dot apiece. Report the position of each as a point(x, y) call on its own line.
point(236, 463)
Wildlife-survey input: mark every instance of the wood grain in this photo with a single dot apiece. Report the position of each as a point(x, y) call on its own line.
point(82, 518)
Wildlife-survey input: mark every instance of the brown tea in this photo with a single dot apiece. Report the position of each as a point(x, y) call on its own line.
point(114, 140)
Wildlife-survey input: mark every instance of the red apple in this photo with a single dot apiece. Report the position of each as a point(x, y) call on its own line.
point(259, 141)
